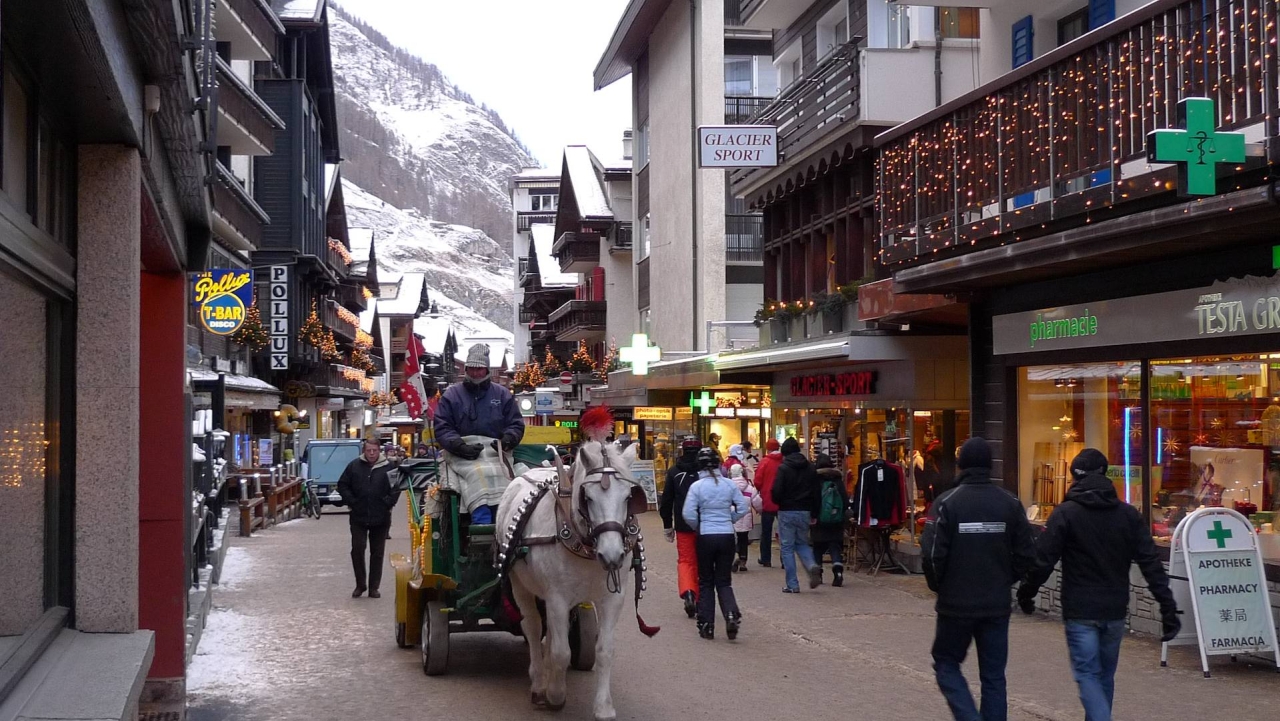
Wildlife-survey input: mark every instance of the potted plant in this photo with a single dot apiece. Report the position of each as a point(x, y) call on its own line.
point(826, 313)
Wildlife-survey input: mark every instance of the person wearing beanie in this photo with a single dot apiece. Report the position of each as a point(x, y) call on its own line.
point(477, 407)
point(976, 544)
point(742, 527)
point(795, 491)
point(827, 535)
point(766, 472)
point(1097, 537)
point(680, 478)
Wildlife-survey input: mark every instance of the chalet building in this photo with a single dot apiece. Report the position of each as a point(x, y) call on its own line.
point(696, 252)
point(1107, 208)
point(535, 194)
point(107, 140)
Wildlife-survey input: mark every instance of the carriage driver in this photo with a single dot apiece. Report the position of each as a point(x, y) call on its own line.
point(477, 407)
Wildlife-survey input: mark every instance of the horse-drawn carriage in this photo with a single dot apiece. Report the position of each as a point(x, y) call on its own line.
point(450, 583)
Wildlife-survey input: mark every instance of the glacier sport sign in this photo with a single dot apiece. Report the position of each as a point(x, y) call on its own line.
point(737, 146)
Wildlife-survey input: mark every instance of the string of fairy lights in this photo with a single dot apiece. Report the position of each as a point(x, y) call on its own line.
point(22, 454)
point(1070, 126)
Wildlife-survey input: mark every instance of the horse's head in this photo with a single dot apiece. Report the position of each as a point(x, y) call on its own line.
point(605, 496)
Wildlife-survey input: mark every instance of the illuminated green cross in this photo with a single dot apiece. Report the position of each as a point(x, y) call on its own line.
point(1198, 149)
point(704, 404)
point(640, 354)
point(1219, 534)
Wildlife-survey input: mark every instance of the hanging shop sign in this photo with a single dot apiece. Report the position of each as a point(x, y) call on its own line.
point(647, 413)
point(1217, 569)
point(640, 355)
point(1197, 149)
point(279, 316)
point(222, 298)
point(737, 146)
point(852, 383)
point(1235, 307)
point(547, 401)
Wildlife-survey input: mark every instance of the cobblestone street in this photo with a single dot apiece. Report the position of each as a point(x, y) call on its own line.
point(286, 641)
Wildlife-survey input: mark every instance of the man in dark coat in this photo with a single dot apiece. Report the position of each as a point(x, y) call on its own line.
point(365, 486)
point(680, 477)
point(795, 490)
point(766, 472)
point(1097, 538)
point(976, 544)
point(828, 538)
point(477, 407)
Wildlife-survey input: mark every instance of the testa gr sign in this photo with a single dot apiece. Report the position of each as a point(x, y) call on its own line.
point(737, 146)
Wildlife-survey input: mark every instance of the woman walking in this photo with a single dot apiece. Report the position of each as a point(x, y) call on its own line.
point(713, 505)
point(742, 527)
point(827, 533)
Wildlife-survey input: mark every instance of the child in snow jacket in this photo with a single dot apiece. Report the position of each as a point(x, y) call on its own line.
point(744, 525)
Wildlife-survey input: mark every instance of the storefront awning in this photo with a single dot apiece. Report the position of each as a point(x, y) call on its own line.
point(820, 349)
point(243, 392)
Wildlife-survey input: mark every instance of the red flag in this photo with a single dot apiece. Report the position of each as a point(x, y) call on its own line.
point(412, 392)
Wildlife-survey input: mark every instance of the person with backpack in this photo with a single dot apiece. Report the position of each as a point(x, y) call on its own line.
point(765, 473)
point(795, 490)
point(1097, 537)
point(680, 477)
point(742, 527)
point(827, 535)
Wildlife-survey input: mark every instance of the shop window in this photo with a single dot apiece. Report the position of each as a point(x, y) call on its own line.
point(1063, 409)
point(17, 140)
point(1216, 437)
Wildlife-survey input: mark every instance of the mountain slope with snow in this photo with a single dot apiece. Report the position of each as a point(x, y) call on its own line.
point(415, 139)
point(467, 273)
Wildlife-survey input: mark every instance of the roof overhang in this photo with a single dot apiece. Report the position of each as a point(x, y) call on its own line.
point(629, 40)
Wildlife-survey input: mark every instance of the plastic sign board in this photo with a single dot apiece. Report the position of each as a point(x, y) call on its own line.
point(737, 146)
point(640, 354)
point(547, 401)
point(1218, 577)
point(222, 298)
point(650, 413)
point(644, 474)
point(1198, 149)
point(525, 401)
point(279, 316)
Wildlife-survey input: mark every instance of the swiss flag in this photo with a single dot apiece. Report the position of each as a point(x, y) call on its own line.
point(412, 392)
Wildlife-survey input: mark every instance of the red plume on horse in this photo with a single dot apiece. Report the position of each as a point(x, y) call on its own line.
point(596, 423)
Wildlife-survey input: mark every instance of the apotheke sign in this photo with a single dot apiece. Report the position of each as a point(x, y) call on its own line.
point(738, 146)
point(1236, 307)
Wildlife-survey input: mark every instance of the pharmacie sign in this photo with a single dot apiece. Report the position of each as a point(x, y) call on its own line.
point(222, 298)
point(1219, 578)
point(737, 146)
point(1235, 307)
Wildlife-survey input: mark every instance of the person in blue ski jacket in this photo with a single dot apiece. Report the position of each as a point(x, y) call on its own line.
point(477, 407)
point(711, 507)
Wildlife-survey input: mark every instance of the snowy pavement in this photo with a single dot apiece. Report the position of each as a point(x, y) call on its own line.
point(286, 641)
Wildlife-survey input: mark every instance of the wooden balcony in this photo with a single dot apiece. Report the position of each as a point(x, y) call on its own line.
point(742, 109)
point(526, 219)
point(577, 252)
point(237, 217)
point(332, 318)
point(245, 123)
point(827, 98)
point(1061, 142)
point(335, 379)
point(527, 276)
point(621, 239)
point(249, 27)
point(579, 320)
point(336, 262)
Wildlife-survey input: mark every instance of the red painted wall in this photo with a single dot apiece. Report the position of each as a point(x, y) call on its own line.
point(162, 595)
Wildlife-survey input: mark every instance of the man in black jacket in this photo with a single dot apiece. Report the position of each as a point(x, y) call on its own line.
point(976, 545)
point(796, 491)
point(1097, 538)
point(365, 486)
point(680, 477)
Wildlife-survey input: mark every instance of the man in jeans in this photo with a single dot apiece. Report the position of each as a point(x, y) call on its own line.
point(1097, 538)
point(976, 545)
point(795, 491)
point(766, 472)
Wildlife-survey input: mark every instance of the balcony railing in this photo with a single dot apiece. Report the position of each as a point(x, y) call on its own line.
point(235, 206)
point(732, 13)
point(243, 106)
point(352, 297)
point(527, 316)
point(807, 111)
point(336, 261)
point(332, 318)
point(1065, 136)
point(741, 109)
point(340, 377)
point(621, 239)
point(577, 252)
point(526, 219)
point(257, 18)
point(744, 238)
point(579, 320)
point(525, 273)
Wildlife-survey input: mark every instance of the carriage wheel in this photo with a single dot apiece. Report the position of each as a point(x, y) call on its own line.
point(584, 629)
point(435, 639)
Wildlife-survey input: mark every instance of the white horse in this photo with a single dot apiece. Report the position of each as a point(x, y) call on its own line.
point(600, 504)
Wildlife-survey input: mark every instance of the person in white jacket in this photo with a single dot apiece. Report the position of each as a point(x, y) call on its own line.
point(742, 527)
point(712, 506)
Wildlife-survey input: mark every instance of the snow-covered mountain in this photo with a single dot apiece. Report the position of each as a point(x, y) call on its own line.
point(467, 274)
point(414, 139)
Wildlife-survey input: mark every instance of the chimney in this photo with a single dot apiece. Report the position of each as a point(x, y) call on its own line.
point(626, 144)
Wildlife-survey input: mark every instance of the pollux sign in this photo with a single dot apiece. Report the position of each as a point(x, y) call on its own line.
point(855, 383)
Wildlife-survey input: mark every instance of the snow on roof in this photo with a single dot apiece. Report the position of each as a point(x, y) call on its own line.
point(361, 240)
point(584, 174)
point(621, 165)
point(548, 266)
point(298, 10)
point(536, 174)
point(408, 297)
point(367, 318)
point(234, 382)
point(330, 181)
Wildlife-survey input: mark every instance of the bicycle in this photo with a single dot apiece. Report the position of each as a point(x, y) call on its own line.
point(310, 501)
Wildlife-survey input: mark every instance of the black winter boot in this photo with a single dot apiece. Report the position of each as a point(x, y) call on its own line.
point(690, 606)
point(731, 623)
point(707, 630)
point(837, 574)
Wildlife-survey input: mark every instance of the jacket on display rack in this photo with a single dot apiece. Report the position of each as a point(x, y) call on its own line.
point(881, 494)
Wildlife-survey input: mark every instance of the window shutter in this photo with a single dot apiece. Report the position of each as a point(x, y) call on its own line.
point(1101, 12)
point(1023, 42)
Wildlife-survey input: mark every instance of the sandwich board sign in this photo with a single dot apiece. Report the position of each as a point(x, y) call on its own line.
point(1216, 571)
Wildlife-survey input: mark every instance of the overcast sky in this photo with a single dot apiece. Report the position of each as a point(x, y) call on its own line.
point(532, 61)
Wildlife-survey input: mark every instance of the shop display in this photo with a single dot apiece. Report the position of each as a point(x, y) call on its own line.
point(881, 495)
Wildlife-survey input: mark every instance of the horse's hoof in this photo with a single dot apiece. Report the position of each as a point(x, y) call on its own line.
point(539, 699)
point(556, 706)
point(610, 716)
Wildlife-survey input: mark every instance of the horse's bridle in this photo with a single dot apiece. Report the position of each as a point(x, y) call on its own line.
point(606, 476)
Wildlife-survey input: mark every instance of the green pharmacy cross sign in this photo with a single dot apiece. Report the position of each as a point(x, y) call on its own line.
point(704, 404)
point(1198, 149)
point(1219, 534)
